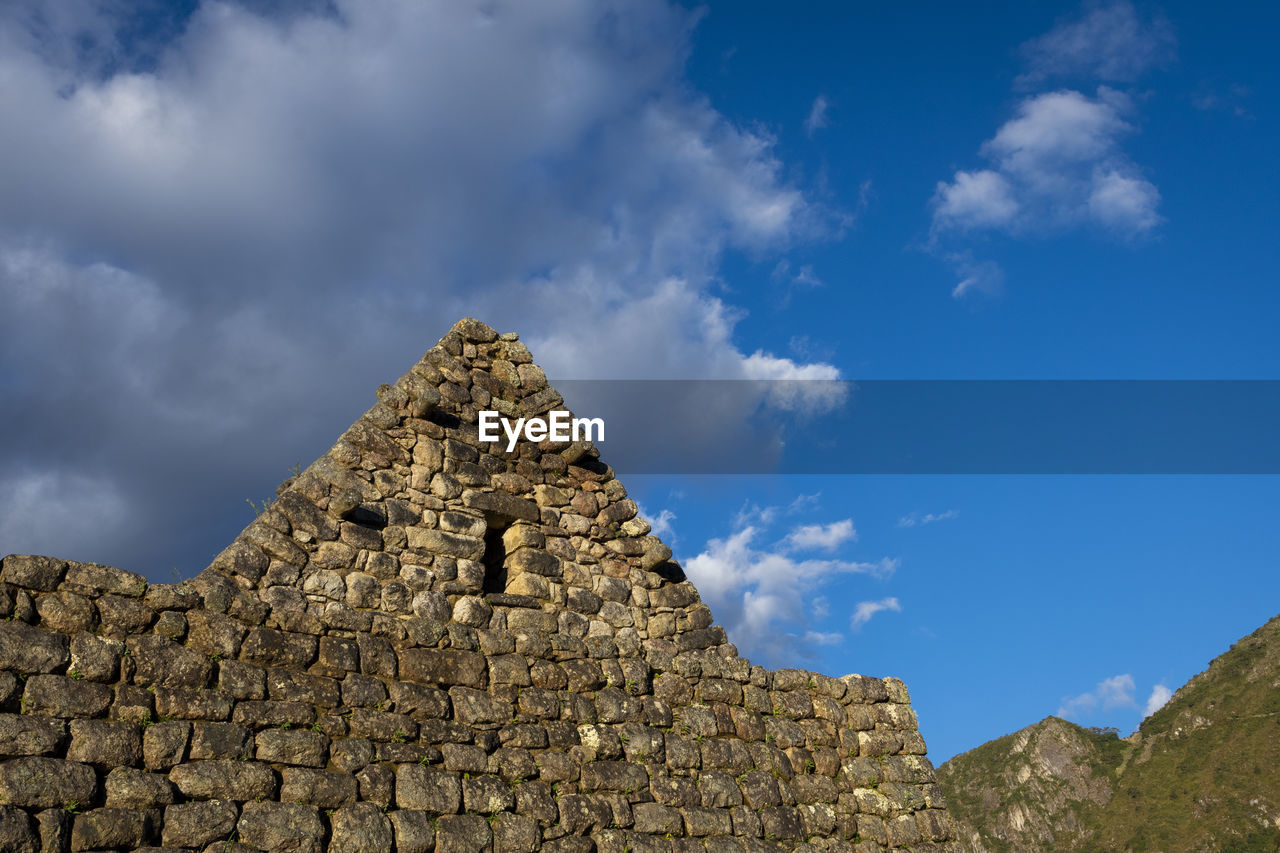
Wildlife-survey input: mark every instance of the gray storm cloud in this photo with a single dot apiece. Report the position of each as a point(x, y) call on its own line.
point(219, 232)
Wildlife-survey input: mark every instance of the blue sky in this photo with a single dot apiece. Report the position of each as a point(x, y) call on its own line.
point(223, 224)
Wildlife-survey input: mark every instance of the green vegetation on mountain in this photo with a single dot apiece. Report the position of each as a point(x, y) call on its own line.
point(1201, 774)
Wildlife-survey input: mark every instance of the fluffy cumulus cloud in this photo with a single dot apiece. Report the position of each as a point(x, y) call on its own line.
point(1160, 696)
point(1111, 693)
point(1058, 163)
point(763, 594)
point(220, 227)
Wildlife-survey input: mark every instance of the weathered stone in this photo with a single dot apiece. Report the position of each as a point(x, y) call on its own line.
point(242, 680)
point(289, 827)
point(26, 650)
point(301, 748)
point(33, 572)
point(224, 780)
point(106, 828)
point(192, 704)
point(162, 662)
point(23, 734)
point(127, 615)
point(197, 824)
point(317, 788)
point(46, 783)
point(428, 789)
point(106, 579)
point(440, 542)
point(214, 634)
point(504, 507)
point(414, 831)
point(135, 789)
point(218, 740)
point(282, 648)
point(105, 743)
point(360, 827)
point(67, 612)
point(17, 832)
point(165, 744)
point(464, 833)
point(287, 686)
point(535, 562)
point(58, 696)
point(443, 666)
point(581, 815)
point(260, 715)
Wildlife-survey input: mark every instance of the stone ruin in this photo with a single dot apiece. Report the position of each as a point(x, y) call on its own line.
point(429, 645)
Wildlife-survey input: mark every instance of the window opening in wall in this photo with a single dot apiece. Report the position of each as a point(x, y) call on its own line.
point(495, 557)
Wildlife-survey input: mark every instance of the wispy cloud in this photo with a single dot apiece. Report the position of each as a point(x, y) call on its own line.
point(864, 610)
point(764, 595)
point(1230, 99)
point(660, 524)
point(916, 519)
point(1111, 693)
point(824, 537)
point(1160, 696)
point(817, 118)
point(1107, 42)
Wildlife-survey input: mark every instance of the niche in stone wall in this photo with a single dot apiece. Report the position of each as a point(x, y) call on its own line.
point(495, 555)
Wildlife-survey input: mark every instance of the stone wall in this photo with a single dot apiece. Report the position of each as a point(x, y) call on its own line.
point(428, 644)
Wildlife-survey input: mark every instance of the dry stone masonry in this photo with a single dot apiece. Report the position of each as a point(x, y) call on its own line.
point(428, 644)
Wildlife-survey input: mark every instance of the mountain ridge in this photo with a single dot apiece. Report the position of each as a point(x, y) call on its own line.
point(1200, 774)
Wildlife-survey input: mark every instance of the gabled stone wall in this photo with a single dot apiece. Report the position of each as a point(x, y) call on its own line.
point(428, 644)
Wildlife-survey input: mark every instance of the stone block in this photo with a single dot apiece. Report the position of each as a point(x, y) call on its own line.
point(26, 650)
point(46, 783)
point(428, 789)
point(198, 824)
point(105, 743)
point(224, 780)
point(293, 827)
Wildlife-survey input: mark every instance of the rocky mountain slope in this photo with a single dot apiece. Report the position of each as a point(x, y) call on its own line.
point(1201, 774)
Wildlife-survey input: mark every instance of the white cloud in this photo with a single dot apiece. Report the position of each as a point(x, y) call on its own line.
point(1160, 695)
point(863, 612)
point(1056, 164)
point(1108, 42)
point(660, 524)
point(825, 537)
point(349, 170)
point(916, 518)
point(1111, 693)
point(760, 595)
point(979, 199)
point(819, 638)
point(817, 118)
point(1125, 202)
